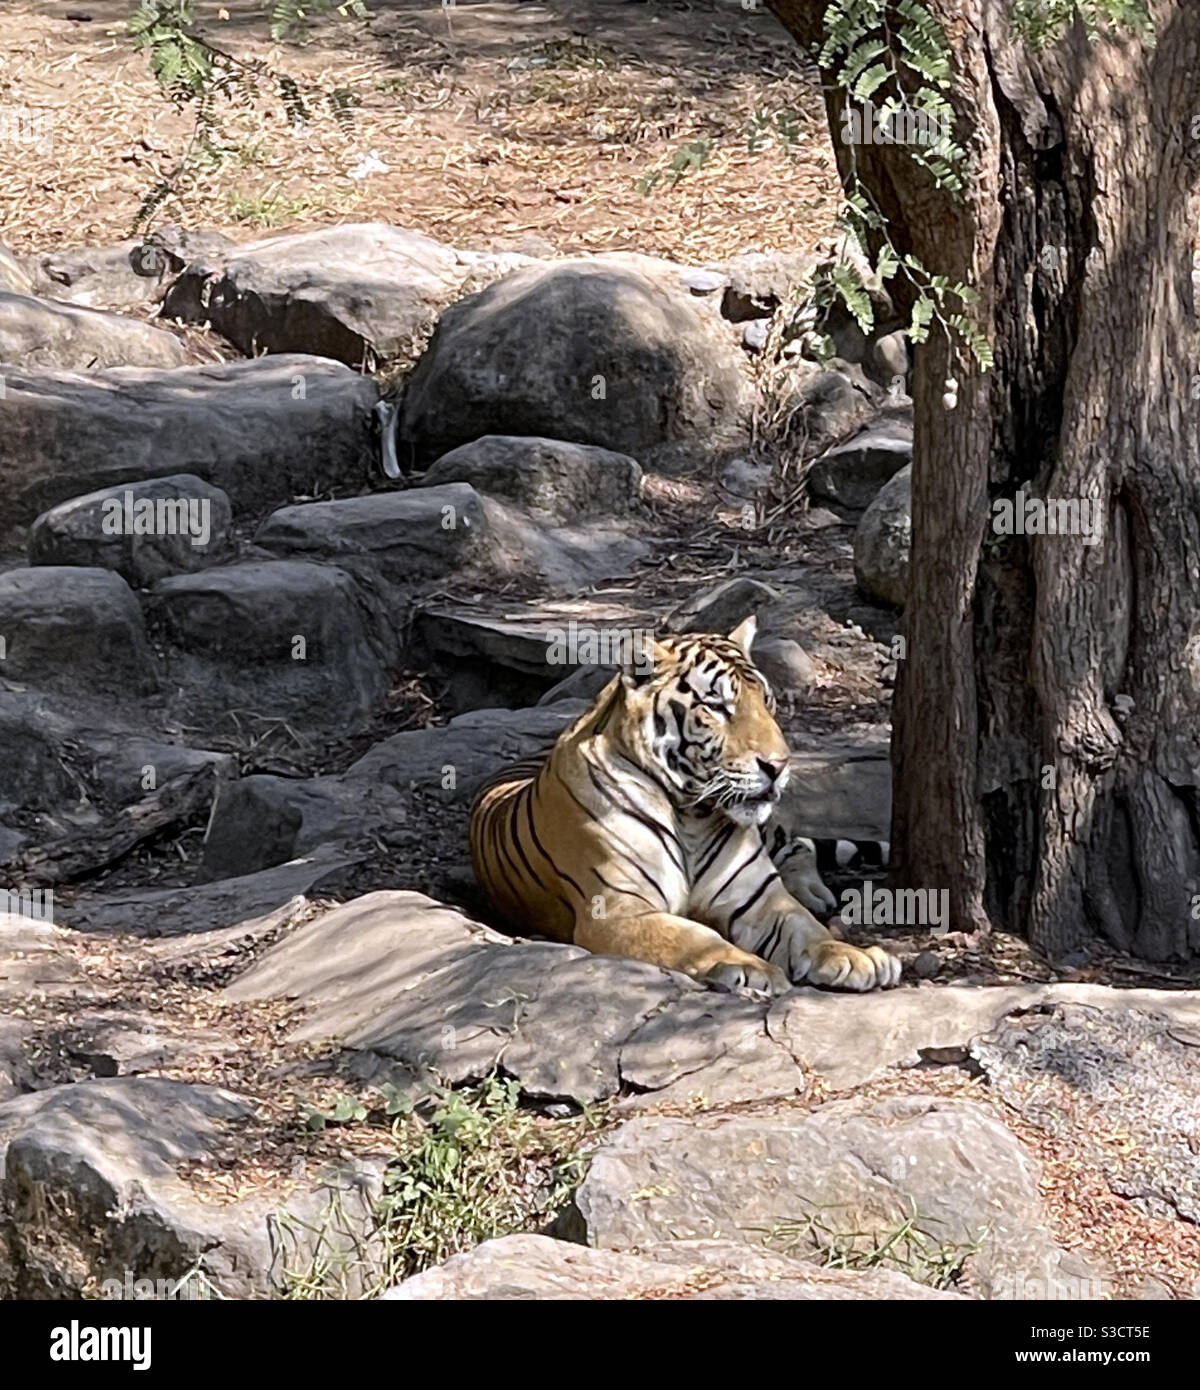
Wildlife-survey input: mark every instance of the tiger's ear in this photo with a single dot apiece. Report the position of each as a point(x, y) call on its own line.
point(744, 634)
point(641, 659)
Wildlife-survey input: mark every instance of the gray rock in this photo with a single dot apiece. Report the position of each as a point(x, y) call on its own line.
point(828, 404)
point(722, 607)
point(856, 1168)
point(538, 1267)
point(262, 820)
point(561, 481)
point(887, 360)
point(760, 281)
point(208, 907)
point(745, 478)
point(260, 430)
point(144, 531)
point(357, 293)
point(44, 333)
point(283, 638)
point(591, 351)
point(901, 1028)
point(1092, 1072)
point(96, 1181)
point(124, 1043)
point(132, 273)
point(787, 666)
point(584, 683)
point(843, 789)
point(412, 535)
point(851, 474)
point(35, 955)
point(424, 986)
point(882, 541)
point(74, 631)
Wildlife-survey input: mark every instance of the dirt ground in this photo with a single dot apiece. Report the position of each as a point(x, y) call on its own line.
point(498, 124)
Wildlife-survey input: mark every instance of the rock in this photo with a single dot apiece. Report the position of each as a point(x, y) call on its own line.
point(412, 535)
point(538, 1267)
point(722, 607)
point(851, 474)
point(260, 430)
point(755, 335)
point(42, 333)
point(902, 1028)
point(282, 638)
point(787, 666)
point(843, 790)
point(124, 1043)
point(565, 560)
point(584, 683)
point(887, 361)
point(143, 531)
point(1093, 1072)
point(207, 907)
point(882, 540)
point(262, 820)
point(35, 957)
point(424, 986)
point(759, 282)
point(98, 1181)
point(588, 350)
point(828, 404)
point(856, 1169)
point(358, 293)
point(131, 273)
point(745, 479)
point(74, 631)
point(13, 275)
point(560, 481)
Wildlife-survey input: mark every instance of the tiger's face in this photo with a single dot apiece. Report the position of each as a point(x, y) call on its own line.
point(702, 721)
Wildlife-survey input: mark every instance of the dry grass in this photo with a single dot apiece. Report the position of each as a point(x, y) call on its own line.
point(507, 123)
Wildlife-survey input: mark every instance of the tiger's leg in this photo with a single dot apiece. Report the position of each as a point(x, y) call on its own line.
point(743, 897)
point(678, 943)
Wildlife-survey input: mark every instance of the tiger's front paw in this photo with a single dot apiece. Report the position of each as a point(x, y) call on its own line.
point(749, 973)
point(838, 965)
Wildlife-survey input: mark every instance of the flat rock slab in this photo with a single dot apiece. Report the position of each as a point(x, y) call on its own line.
point(74, 632)
point(403, 976)
point(1123, 1082)
point(538, 1267)
point(94, 1182)
point(557, 480)
point(209, 907)
point(843, 789)
point(844, 1176)
point(850, 1038)
point(357, 293)
point(144, 530)
point(46, 334)
point(260, 430)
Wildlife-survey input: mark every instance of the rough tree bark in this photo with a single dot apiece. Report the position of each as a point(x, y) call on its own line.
point(1025, 784)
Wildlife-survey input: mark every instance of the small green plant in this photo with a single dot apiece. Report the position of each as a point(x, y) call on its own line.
point(902, 1247)
point(474, 1167)
point(1041, 22)
point(269, 209)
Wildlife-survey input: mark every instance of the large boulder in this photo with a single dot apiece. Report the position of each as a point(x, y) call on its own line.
point(539, 1267)
point(101, 1179)
point(144, 531)
point(590, 351)
point(42, 333)
point(273, 640)
point(130, 274)
point(432, 993)
point(75, 632)
point(560, 481)
point(260, 430)
point(848, 1175)
point(357, 293)
point(882, 542)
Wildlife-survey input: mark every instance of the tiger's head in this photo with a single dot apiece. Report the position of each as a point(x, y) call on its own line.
point(697, 714)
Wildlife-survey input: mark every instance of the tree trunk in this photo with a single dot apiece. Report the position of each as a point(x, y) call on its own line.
point(1047, 717)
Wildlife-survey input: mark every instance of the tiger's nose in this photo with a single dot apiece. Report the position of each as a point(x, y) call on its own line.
point(773, 768)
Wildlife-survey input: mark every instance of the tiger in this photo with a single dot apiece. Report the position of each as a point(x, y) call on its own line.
point(640, 834)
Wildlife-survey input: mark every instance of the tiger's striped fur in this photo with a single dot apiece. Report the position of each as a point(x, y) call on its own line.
point(640, 833)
